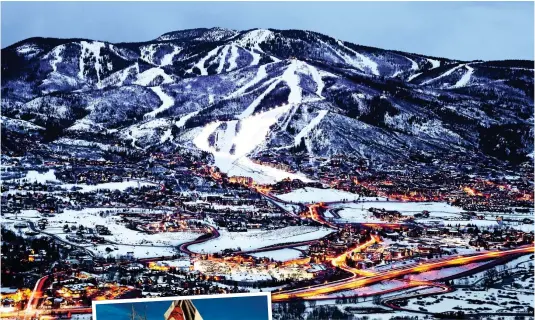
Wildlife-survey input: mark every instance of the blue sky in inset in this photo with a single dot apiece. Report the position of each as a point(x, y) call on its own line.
point(457, 30)
point(235, 308)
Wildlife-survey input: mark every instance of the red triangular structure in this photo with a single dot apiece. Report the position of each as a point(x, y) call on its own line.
point(182, 310)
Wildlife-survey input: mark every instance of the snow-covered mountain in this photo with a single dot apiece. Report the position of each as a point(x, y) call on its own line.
point(243, 94)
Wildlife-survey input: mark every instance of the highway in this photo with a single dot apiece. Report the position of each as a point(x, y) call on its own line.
point(359, 278)
point(354, 282)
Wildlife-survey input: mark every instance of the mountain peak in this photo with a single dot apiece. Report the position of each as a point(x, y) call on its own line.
point(198, 34)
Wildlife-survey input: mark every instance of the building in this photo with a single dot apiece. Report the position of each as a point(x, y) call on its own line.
point(182, 310)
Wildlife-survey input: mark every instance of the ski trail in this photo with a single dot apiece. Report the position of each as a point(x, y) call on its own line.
point(434, 63)
point(365, 61)
point(413, 76)
point(447, 73)
point(200, 64)
point(311, 125)
point(260, 74)
point(465, 78)
point(232, 59)
point(317, 78)
point(222, 59)
point(167, 102)
point(168, 58)
point(251, 108)
point(182, 121)
point(414, 65)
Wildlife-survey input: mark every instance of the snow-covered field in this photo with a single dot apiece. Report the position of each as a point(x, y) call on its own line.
point(138, 251)
point(126, 239)
point(491, 300)
point(35, 176)
point(121, 186)
point(308, 195)
point(445, 272)
point(359, 212)
point(259, 238)
point(279, 255)
point(518, 293)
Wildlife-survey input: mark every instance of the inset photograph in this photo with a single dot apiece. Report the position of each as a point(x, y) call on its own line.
point(254, 306)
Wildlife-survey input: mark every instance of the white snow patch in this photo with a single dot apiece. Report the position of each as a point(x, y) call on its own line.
point(222, 59)
point(147, 76)
point(182, 121)
point(200, 63)
point(232, 59)
point(465, 78)
point(435, 63)
point(365, 62)
point(309, 195)
point(255, 239)
point(447, 73)
point(167, 102)
point(260, 74)
point(317, 78)
point(312, 124)
point(88, 49)
point(413, 76)
point(168, 58)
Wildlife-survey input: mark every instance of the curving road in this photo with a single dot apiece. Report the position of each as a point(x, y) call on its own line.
point(353, 282)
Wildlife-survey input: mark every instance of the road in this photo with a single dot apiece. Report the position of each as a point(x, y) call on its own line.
point(354, 282)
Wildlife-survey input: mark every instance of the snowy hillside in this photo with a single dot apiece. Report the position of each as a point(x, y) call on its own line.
point(245, 95)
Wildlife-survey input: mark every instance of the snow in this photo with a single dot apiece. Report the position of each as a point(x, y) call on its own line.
point(28, 50)
point(413, 76)
point(414, 65)
point(143, 244)
point(255, 239)
point(317, 78)
point(232, 59)
point(444, 272)
point(253, 39)
point(166, 135)
point(167, 102)
point(491, 299)
point(121, 186)
point(120, 76)
point(308, 195)
point(147, 53)
point(435, 63)
point(252, 133)
point(279, 255)
point(289, 76)
point(465, 78)
point(311, 125)
point(368, 290)
point(251, 108)
point(364, 63)
point(168, 58)
point(139, 251)
point(292, 80)
point(182, 121)
point(260, 74)
point(201, 62)
point(57, 58)
point(447, 73)
point(34, 176)
point(146, 77)
point(222, 59)
point(359, 212)
point(9, 122)
point(90, 49)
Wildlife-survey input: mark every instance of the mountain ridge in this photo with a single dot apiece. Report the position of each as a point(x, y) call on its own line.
point(266, 93)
